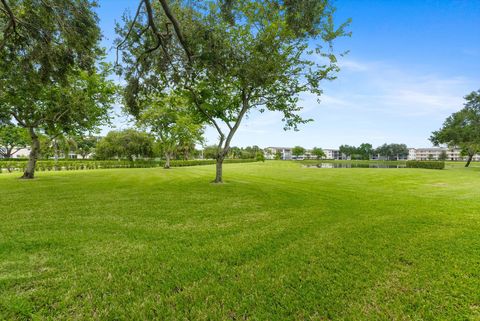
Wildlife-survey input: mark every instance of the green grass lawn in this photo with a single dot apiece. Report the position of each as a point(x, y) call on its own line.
point(276, 242)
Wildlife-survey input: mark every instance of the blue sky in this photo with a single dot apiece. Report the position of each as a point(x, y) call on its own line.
point(409, 66)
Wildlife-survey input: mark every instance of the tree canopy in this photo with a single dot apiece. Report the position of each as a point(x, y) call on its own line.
point(229, 57)
point(12, 139)
point(462, 128)
point(392, 151)
point(50, 77)
point(128, 143)
point(318, 152)
point(298, 151)
point(169, 121)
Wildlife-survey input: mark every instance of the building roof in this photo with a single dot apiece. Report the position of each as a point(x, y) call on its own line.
point(280, 147)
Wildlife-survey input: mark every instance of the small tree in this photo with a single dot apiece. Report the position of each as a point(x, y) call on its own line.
point(462, 129)
point(365, 151)
point(128, 143)
point(85, 145)
point(347, 151)
point(12, 139)
point(298, 150)
point(168, 120)
point(318, 152)
point(278, 155)
point(260, 156)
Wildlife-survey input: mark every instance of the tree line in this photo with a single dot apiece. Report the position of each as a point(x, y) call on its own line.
point(128, 144)
point(186, 65)
point(363, 152)
point(366, 151)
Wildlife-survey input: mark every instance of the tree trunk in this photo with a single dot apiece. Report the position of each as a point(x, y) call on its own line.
point(8, 153)
point(32, 161)
point(55, 156)
point(469, 160)
point(219, 170)
point(167, 161)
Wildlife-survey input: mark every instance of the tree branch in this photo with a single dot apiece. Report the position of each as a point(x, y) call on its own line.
point(12, 23)
point(243, 111)
point(176, 26)
point(130, 29)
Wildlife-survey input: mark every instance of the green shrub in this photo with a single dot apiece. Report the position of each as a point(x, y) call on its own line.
point(426, 164)
point(87, 164)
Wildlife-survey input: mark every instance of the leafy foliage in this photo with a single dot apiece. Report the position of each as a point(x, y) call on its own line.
point(12, 139)
point(50, 78)
point(229, 58)
point(426, 164)
point(392, 151)
point(298, 151)
point(128, 143)
point(85, 145)
point(169, 121)
point(87, 164)
point(462, 129)
point(318, 152)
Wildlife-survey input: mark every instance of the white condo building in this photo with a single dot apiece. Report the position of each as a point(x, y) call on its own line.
point(434, 153)
point(286, 153)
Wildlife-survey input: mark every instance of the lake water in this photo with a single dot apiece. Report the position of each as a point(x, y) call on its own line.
point(355, 165)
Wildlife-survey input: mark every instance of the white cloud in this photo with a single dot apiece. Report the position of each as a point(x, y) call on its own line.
point(382, 87)
point(352, 65)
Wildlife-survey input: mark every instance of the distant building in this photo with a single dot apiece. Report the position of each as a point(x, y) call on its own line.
point(332, 153)
point(25, 153)
point(285, 152)
point(433, 153)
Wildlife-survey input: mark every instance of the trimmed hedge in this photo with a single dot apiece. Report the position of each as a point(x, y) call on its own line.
point(51, 165)
point(426, 164)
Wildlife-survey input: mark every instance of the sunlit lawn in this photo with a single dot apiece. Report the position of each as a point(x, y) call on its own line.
point(276, 242)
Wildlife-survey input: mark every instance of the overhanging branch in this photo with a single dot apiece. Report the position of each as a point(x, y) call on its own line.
point(176, 26)
point(12, 22)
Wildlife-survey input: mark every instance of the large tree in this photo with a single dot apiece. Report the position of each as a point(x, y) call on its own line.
point(50, 79)
point(230, 57)
point(169, 121)
point(462, 128)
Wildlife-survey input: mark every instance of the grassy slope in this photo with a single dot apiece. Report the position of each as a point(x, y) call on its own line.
point(276, 242)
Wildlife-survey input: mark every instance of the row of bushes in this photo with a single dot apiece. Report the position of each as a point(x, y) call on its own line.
point(50, 165)
point(426, 164)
